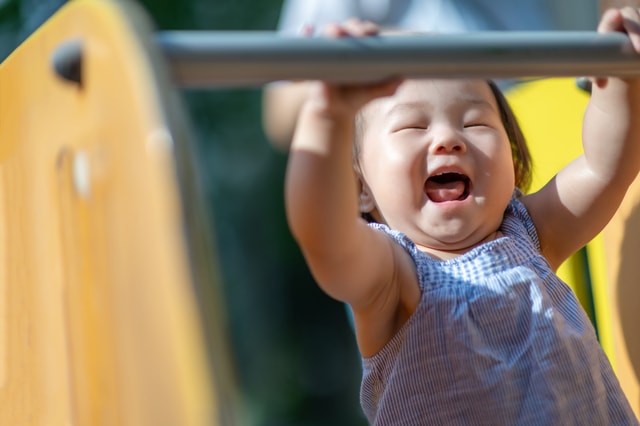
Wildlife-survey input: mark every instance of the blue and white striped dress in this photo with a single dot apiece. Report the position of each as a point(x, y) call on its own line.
point(497, 339)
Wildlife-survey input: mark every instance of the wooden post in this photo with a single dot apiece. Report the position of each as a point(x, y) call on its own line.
point(100, 324)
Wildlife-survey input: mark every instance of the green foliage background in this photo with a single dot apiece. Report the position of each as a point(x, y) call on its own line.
point(293, 349)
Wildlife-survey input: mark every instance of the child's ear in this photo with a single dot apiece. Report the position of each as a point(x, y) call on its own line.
point(366, 201)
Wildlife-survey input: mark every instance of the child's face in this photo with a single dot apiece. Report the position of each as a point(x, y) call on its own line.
point(436, 162)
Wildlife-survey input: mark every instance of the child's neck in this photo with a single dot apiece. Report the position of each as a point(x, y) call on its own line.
point(443, 254)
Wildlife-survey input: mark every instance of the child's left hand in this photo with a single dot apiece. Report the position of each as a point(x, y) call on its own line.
point(625, 20)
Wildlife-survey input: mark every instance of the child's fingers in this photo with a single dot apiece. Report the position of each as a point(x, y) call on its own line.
point(611, 21)
point(357, 94)
point(626, 20)
point(334, 30)
point(631, 25)
point(359, 28)
point(353, 27)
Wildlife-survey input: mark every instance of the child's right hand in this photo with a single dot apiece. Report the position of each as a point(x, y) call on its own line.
point(344, 100)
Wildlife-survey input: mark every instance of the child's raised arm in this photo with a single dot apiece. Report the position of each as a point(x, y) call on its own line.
point(574, 206)
point(349, 260)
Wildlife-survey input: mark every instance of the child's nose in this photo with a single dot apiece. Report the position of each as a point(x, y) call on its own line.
point(447, 141)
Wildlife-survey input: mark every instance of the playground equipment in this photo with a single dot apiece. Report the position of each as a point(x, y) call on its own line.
point(107, 275)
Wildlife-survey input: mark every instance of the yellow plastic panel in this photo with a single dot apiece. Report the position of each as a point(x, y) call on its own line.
point(550, 113)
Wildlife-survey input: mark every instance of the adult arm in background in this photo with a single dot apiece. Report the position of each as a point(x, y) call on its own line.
point(281, 103)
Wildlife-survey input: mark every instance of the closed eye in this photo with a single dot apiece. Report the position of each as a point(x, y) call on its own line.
point(479, 124)
point(416, 127)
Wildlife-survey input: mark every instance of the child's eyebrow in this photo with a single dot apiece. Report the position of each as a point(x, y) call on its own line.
point(479, 102)
point(406, 107)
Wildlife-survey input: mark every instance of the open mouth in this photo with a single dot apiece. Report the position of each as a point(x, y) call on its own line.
point(449, 186)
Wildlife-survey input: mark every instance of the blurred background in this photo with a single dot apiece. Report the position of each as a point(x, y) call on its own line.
point(294, 352)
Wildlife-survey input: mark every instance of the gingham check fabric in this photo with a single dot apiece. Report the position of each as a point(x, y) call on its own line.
point(497, 339)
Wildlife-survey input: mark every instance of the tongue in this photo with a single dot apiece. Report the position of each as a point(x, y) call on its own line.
point(441, 192)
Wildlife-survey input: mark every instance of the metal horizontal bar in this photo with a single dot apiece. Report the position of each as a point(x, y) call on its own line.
point(212, 58)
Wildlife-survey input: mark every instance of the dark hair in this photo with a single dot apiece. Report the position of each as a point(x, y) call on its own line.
point(519, 150)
